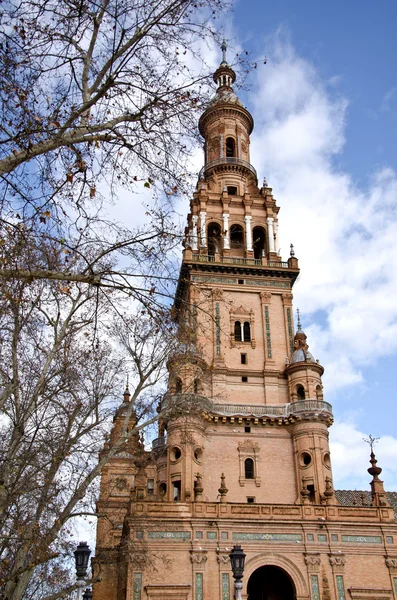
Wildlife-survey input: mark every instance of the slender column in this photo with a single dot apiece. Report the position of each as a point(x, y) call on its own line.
point(193, 239)
point(275, 227)
point(203, 232)
point(239, 146)
point(226, 238)
point(248, 233)
point(270, 233)
point(222, 146)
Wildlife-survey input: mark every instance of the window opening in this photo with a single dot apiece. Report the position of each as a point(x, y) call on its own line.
point(237, 331)
point(177, 491)
point(241, 281)
point(251, 500)
point(230, 147)
point(232, 190)
point(236, 236)
point(244, 379)
point(300, 392)
point(259, 237)
point(214, 238)
point(150, 486)
point(243, 359)
point(163, 489)
point(178, 386)
point(246, 332)
point(247, 429)
point(312, 496)
point(249, 468)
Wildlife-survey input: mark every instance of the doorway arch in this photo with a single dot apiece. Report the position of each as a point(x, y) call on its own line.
point(287, 565)
point(270, 583)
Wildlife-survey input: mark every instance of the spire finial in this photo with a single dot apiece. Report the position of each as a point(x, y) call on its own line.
point(224, 48)
point(292, 251)
point(299, 320)
point(127, 390)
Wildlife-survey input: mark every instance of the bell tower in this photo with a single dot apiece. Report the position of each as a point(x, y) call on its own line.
point(264, 411)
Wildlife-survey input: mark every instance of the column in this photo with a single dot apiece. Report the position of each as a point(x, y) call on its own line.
point(275, 227)
point(270, 233)
point(193, 238)
point(226, 238)
point(203, 231)
point(222, 146)
point(239, 146)
point(248, 233)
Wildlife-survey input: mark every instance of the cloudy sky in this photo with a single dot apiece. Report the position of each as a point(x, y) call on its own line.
point(325, 110)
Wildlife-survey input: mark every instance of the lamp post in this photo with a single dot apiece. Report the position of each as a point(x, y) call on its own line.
point(237, 559)
point(87, 594)
point(81, 555)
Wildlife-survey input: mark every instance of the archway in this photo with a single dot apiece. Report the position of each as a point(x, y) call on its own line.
point(270, 583)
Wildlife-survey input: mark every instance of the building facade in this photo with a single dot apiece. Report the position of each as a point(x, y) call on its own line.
point(248, 462)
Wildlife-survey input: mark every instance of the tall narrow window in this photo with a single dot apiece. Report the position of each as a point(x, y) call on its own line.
point(249, 468)
point(214, 238)
point(300, 392)
point(236, 236)
point(177, 491)
point(247, 332)
point(258, 237)
point(230, 147)
point(237, 331)
point(178, 386)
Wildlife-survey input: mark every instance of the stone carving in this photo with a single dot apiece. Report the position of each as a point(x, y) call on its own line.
point(198, 558)
point(265, 297)
point(337, 561)
point(240, 311)
point(287, 298)
point(223, 559)
point(391, 562)
point(313, 560)
point(248, 446)
point(217, 294)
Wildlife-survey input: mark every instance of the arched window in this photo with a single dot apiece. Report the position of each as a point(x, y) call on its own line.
point(214, 238)
point(237, 331)
point(249, 468)
point(236, 236)
point(230, 147)
point(246, 332)
point(178, 385)
point(259, 237)
point(300, 392)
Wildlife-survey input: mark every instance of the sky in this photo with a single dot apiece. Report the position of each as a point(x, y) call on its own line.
point(325, 138)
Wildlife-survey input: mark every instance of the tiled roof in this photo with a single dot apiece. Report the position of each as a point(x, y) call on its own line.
point(361, 498)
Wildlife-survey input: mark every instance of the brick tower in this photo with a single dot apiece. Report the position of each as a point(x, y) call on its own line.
point(248, 462)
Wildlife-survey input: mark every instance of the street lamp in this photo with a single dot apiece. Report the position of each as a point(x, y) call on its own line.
point(87, 594)
point(81, 555)
point(237, 559)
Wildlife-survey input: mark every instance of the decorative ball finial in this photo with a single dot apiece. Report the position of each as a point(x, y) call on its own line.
point(264, 182)
point(292, 251)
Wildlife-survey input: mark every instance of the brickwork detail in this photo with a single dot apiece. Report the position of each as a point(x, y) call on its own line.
point(173, 535)
point(340, 587)
point(199, 586)
point(268, 339)
point(137, 586)
point(315, 588)
point(226, 586)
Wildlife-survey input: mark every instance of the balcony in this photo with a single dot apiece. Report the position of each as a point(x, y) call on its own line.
point(308, 406)
point(225, 162)
point(256, 262)
point(159, 443)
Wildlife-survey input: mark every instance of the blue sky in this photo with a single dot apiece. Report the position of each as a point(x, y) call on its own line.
point(325, 108)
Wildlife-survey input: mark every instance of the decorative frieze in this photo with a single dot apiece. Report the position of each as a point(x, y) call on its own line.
point(362, 539)
point(290, 331)
point(268, 537)
point(169, 535)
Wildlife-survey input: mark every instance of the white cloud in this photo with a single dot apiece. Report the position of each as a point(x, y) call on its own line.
point(350, 458)
point(344, 233)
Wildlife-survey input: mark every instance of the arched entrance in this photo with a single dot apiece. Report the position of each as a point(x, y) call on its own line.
point(270, 583)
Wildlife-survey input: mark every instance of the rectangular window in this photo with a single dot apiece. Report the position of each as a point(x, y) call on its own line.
point(251, 500)
point(243, 359)
point(241, 281)
point(199, 586)
point(247, 429)
point(244, 379)
point(177, 490)
point(224, 535)
point(150, 486)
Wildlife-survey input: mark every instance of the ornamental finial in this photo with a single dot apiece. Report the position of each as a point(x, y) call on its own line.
point(299, 320)
point(224, 48)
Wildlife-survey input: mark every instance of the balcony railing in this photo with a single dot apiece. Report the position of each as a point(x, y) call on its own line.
point(261, 410)
point(227, 161)
point(159, 442)
point(239, 261)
